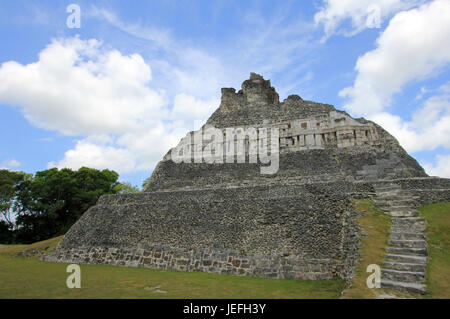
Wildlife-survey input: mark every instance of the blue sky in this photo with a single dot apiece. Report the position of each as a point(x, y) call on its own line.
point(123, 88)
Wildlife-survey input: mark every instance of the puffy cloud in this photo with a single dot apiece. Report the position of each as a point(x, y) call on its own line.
point(428, 129)
point(151, 144)
point(441, 169)
point(76, 88)
point(416, 44)
point(87, 153)
point(137, 150)
point(361, 14)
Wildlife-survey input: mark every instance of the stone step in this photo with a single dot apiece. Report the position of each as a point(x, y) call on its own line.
point(406, 258)
point(408, 228)
point(408, 224)
point(402, 213)
point(408, 243)
point(407, 251)
point(403, 266)
point(409, 220)
point(404, 286)
point(403, 276)
point(396, 208)
point(407, 236)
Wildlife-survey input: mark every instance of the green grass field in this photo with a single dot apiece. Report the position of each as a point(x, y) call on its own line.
point(22, 277)
point(438, 233)
point(28, 277)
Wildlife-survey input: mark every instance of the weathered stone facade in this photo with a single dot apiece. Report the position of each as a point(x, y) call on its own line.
point(229, 218)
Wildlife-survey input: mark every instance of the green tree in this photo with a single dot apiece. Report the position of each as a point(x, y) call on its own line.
point(8, 182)
point(51, 202)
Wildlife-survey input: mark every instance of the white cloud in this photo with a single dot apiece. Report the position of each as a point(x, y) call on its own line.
point(361, 14)
point(137, 150)
point(151, 144)
point(76, 88)
point(9, 164)
point(97, 156)
point(188, 107)
point(428, 129)
point(441, 169)
point(415, 45)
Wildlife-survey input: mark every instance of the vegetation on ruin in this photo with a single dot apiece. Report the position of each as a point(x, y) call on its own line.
point(375, 229)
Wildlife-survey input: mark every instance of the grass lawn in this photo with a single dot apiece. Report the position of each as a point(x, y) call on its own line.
point(22, 277)
point(438, 233)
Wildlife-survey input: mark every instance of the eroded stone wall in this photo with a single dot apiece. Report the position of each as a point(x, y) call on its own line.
point(277, 232)
point(319, 165)
point(207, 260)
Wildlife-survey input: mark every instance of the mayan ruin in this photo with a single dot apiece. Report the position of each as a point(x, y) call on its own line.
point(267, 192)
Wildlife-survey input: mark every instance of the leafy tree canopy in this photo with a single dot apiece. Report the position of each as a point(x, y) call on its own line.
point(8, 183)
point(48, 204)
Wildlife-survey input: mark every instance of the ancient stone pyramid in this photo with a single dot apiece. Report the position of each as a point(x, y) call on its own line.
point(298, 222)
point(317, 143)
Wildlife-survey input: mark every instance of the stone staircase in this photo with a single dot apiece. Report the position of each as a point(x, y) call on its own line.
point(405, 262)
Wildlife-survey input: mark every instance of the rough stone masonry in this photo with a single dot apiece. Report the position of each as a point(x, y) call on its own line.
point(229, 218)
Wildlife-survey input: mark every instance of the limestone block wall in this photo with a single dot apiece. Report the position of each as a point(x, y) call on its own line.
point(207, 260)
point(267, 232)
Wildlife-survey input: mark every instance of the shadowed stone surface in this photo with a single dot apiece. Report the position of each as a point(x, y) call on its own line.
point(229, 218)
